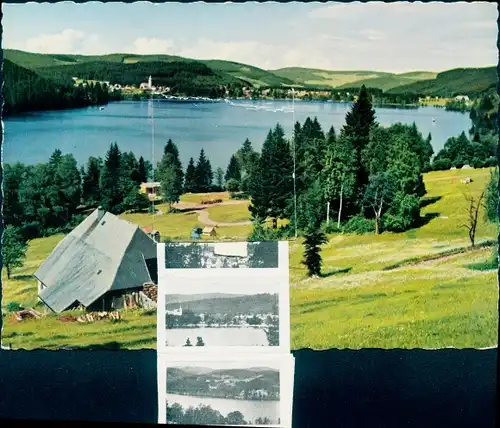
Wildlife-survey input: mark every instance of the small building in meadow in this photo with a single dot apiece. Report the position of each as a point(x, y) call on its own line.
point(105, 263)
point(151, 189)
point(210, 231)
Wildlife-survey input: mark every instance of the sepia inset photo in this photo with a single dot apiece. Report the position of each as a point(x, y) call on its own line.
point(224, 393)
point(222, 319)
point(221, 255)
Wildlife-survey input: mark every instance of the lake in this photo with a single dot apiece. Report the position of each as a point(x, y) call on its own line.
point(251, 409)
point(218, 336)
point(218, 127)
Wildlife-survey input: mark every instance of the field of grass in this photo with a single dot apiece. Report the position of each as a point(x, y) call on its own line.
point(391, 81)
point(363, 298)
point(335, 79)
point(229, 214)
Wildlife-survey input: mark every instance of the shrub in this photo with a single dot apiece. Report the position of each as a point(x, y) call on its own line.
point(13, 307)
point(490, 264)
point(490, 162)
point(330, 227)
point(232, 185)
point(441, 164)
point(239, 196)
point(359, 225)
point(263, 233)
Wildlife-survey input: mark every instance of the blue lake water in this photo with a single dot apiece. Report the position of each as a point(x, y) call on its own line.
point(218, 127)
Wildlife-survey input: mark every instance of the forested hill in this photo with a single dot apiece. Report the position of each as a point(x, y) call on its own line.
point(191, 78)
point(242, 73)
point(460, 81)
point(247, 304)
point(25, 90)
point(197, 383)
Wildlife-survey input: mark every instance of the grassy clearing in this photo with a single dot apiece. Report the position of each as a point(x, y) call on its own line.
point(447, 302)
point(229, 214)
point(196, 198)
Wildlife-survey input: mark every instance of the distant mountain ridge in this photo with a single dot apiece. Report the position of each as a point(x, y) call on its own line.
point(467, 81)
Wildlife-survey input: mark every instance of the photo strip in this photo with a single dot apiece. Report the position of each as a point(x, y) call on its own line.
point(256, 391)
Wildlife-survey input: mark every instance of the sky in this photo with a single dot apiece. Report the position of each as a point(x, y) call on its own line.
point(391, 37)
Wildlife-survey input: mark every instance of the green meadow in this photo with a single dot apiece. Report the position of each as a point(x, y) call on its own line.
point(424, 288)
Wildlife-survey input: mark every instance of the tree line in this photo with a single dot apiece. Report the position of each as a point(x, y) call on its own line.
point(53, 197)
point(479, 149)
point(205, 415)
point(25, 90)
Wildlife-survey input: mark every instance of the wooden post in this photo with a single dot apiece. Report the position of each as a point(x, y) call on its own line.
point(328, 212)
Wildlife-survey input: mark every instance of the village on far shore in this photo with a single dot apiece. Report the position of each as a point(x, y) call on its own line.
point(148, 89)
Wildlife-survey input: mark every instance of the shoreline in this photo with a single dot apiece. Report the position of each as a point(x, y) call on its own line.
point(224, 398)
point(201, 100)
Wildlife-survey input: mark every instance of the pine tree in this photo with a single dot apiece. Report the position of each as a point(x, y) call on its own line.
point(143, 170)
point(219, 178)
point(190, 180)
point(248, 160)
point(359, 122)
point(111, 188)
point(91, 177)
point(233, 171)
point(314, 238)
point(203, 174)
point(271, 188)
point(170, 174)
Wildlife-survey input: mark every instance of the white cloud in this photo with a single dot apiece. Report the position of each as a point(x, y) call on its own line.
point(67, 41)
point(145, 45)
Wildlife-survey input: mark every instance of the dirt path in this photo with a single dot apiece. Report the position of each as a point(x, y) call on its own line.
point(204, 217)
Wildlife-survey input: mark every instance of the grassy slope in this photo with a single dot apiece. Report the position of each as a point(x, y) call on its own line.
point(391, 81)
point(334, 79)
point(464, 81)
point(430, 304)
point(253, 75)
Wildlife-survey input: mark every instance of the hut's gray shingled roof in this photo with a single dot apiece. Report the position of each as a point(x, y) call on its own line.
point(99, 255)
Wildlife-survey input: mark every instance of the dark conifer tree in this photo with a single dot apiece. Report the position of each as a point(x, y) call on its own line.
point(170, 174)
point(142, 170)
point(233, 171)
point(111, 186)
point(359, 122)
point(314, 238)
point(90, 186)
point(190, 180)
point(203, 174)
point(271, 188)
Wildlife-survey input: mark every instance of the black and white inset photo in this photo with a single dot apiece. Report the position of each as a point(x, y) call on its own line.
point(224, 393)
point(234, 319)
